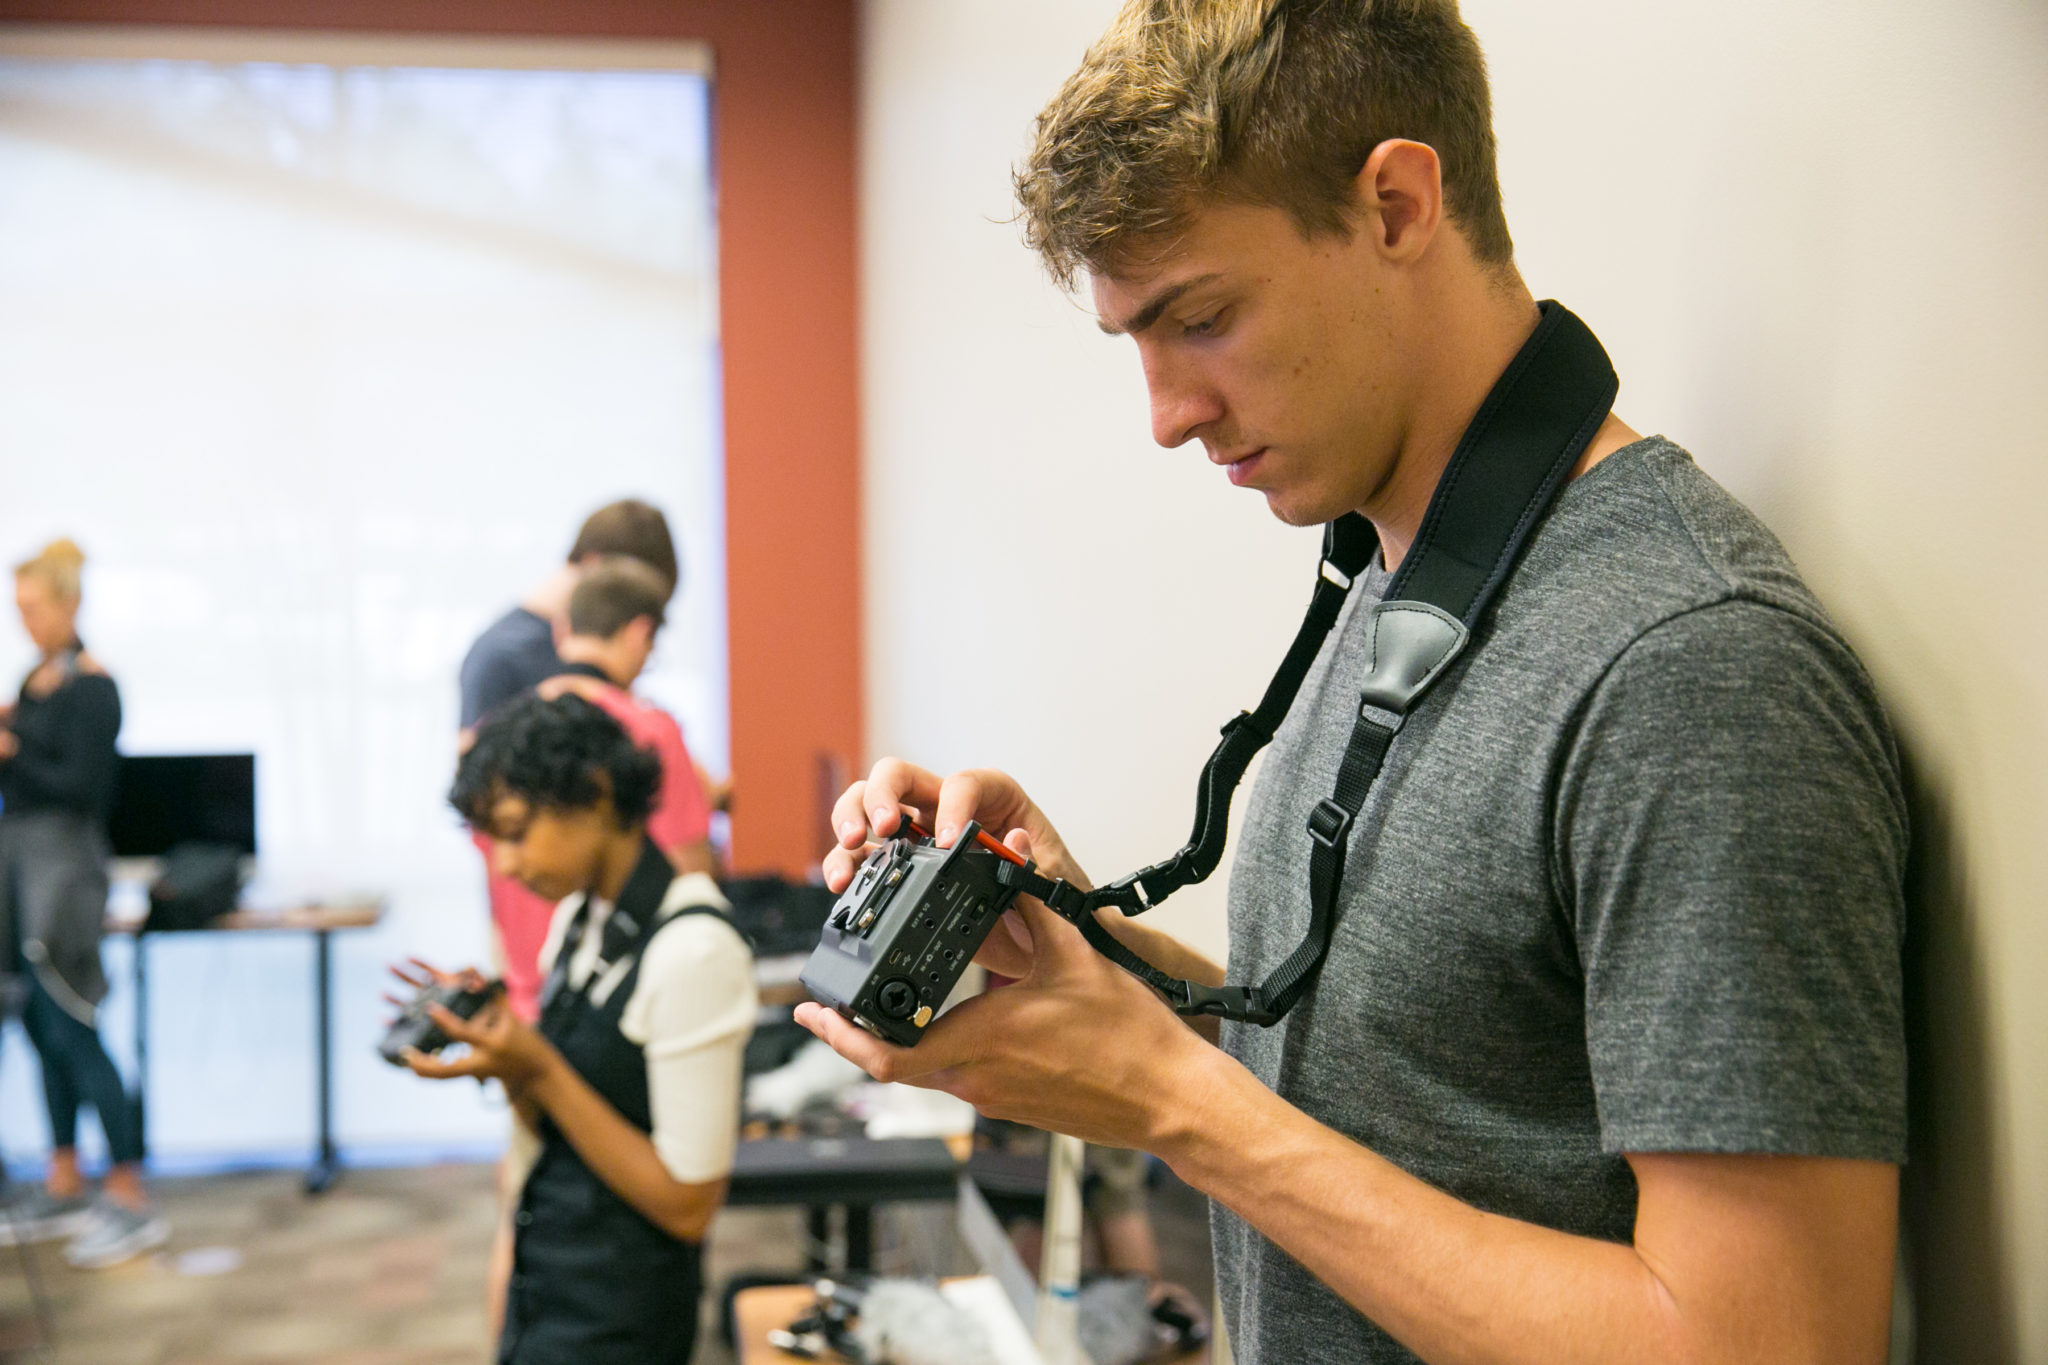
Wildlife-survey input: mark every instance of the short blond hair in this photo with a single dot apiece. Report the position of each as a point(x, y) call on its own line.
point(56, 566)
point(1270, 102)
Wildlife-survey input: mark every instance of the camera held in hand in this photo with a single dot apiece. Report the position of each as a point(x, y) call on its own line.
point(414, 1028)
point(908, 925)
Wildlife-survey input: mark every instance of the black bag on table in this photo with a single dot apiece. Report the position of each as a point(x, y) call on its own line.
point(199, 884)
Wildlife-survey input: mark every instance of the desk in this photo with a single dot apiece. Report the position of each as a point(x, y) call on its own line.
point(320, 920)
point(855, 1173)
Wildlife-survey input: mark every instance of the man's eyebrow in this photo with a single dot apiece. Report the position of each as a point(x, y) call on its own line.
point(1153, 307)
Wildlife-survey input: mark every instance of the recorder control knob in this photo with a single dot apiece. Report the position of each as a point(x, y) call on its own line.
point(897, 999)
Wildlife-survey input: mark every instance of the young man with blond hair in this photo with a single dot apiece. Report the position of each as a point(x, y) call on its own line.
point(1605, 1060)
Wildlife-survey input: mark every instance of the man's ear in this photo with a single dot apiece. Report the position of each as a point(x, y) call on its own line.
point(643, 629)
point(1400, 195)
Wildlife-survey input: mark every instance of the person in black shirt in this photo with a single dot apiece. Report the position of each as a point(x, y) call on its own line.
point(516, 652)
point(57, 774)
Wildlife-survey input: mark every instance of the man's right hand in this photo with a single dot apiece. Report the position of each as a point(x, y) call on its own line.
point(874, 809)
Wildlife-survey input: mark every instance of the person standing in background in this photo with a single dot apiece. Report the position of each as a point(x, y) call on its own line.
point(58, 768)
point(604, 642)
point(514, 655)
point(516, 652)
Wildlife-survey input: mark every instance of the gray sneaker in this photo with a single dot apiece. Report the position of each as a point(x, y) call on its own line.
point(40, 1216)
point(116, 1234)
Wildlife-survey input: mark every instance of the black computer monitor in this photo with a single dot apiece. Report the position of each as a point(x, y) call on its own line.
point(168, 799)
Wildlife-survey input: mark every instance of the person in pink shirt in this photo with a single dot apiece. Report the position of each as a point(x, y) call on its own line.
point(614, 614)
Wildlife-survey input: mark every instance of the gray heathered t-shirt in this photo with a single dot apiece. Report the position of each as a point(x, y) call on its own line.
point(1630, 881)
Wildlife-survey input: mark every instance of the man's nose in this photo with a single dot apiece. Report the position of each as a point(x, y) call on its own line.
point(1182, 403)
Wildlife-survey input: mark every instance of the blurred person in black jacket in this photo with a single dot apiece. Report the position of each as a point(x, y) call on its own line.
point(58, 767)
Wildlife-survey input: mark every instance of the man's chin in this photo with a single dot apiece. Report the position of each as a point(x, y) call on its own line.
point(1297, 510)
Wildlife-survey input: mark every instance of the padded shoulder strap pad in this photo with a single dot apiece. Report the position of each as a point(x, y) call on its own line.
point(1409, 644)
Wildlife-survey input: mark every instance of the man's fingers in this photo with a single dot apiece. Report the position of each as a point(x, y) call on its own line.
point(893, 785)
point(840, 865)
point(883, 1061)
point(1053, 939)
point(961, 798)
point(850, 816)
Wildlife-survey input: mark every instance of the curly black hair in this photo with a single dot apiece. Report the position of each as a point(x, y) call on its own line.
point(560, 755)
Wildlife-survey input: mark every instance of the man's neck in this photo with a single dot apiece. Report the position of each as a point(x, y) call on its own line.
point(1475, 334)
point(1475, 331)
point(585, 649)
point(550, 597)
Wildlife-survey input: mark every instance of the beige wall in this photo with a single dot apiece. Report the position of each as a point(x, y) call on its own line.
point(1811, 236)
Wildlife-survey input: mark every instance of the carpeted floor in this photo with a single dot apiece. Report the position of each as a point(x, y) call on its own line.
point(388, 1268)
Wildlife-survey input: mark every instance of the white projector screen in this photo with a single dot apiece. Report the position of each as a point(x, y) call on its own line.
point(322, 353)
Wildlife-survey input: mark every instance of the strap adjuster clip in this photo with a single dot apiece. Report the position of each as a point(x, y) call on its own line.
point(1329, 824)
point(1228, 1002)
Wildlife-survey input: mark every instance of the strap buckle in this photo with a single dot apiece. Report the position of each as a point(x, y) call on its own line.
point(1132, 894)
point(1227, 1002)
point(1329, 824)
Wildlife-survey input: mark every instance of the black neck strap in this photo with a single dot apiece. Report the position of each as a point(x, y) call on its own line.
point(625, 931)
point(1501, 480)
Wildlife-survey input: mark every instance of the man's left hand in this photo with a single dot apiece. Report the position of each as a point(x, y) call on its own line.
point(1076, 1046)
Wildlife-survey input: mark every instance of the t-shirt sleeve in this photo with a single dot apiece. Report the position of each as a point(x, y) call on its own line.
point(1731, 838)
point(691, 1013)
point(516, 654)
point(483, 683)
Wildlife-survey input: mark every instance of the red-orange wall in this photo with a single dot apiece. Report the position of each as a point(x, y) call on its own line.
point(783, 102)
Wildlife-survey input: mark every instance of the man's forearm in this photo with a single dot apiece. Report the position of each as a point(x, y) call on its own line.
point(1462, 1287)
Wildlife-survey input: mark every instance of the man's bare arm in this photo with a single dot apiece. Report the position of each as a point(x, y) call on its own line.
point(1736, 1258)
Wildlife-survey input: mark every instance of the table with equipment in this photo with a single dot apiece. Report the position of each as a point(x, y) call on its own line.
point(322, 920)
point(851, 1173)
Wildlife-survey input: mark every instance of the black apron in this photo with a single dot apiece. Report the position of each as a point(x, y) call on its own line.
point(594, 1282)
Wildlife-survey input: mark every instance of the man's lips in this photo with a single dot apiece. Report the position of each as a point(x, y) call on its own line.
point(1240, 468)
